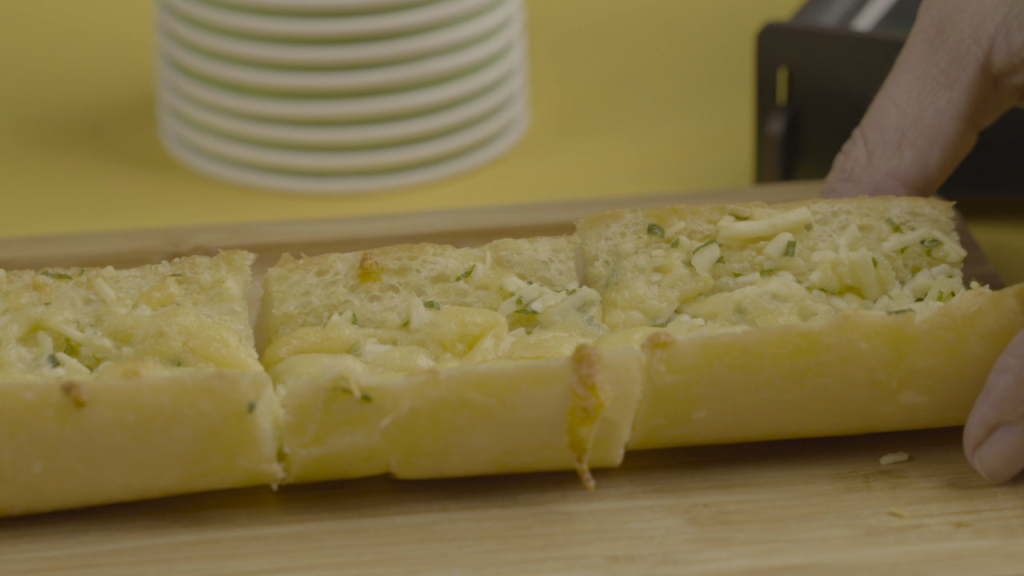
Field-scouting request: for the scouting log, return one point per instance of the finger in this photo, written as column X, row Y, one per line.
column 994, row 434
column 944, row 89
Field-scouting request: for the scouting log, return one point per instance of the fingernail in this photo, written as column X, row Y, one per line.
column 1001, row 457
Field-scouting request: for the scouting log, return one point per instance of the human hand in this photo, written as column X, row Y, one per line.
column 960, row 70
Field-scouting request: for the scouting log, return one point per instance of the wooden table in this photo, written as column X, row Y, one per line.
column 797, row 507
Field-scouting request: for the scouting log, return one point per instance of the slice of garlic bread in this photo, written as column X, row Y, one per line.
column 400, row 341
column 119, row 385
column 814, row 318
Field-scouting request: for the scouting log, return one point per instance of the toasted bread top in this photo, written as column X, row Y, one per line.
column 416, row 306
column 189, row 313
column 755, row 264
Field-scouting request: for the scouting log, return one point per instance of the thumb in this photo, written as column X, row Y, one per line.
column 948, row 84
column 994, row 434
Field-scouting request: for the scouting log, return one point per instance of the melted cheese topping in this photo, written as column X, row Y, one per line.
column 763, row 268
column 532, row 322
column 64, row 324
column 768, row 225
column 757, row 271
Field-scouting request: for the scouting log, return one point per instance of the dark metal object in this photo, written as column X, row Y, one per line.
column 816, row 78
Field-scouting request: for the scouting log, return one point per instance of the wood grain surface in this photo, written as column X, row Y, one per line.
column 820, row 506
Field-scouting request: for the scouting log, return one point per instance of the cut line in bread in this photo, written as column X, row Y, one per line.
column 429, row 360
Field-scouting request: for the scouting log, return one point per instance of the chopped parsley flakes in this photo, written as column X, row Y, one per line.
column 466, row 274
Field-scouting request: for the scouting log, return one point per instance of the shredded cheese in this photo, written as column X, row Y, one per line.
column 104, row 290
column 705, row 257
column 747, row 230
column 893, row 458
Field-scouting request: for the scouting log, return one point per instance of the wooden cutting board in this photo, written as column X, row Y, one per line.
column 797, row 507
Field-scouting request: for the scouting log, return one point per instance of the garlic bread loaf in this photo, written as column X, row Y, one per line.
column 428, row 360
column 126, row 384
column 647, row 328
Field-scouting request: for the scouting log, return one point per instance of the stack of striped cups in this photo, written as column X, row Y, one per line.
column 338, row 96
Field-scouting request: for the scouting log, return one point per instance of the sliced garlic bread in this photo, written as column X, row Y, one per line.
column 806, row 319
column 119, row 385
column 685, row 325
column 428, row 360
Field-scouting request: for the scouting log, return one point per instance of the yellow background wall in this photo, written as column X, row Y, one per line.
column 629, row 97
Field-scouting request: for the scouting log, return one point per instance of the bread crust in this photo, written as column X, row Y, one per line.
column 852, row 373
column 493, row 418
column 69, row 444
